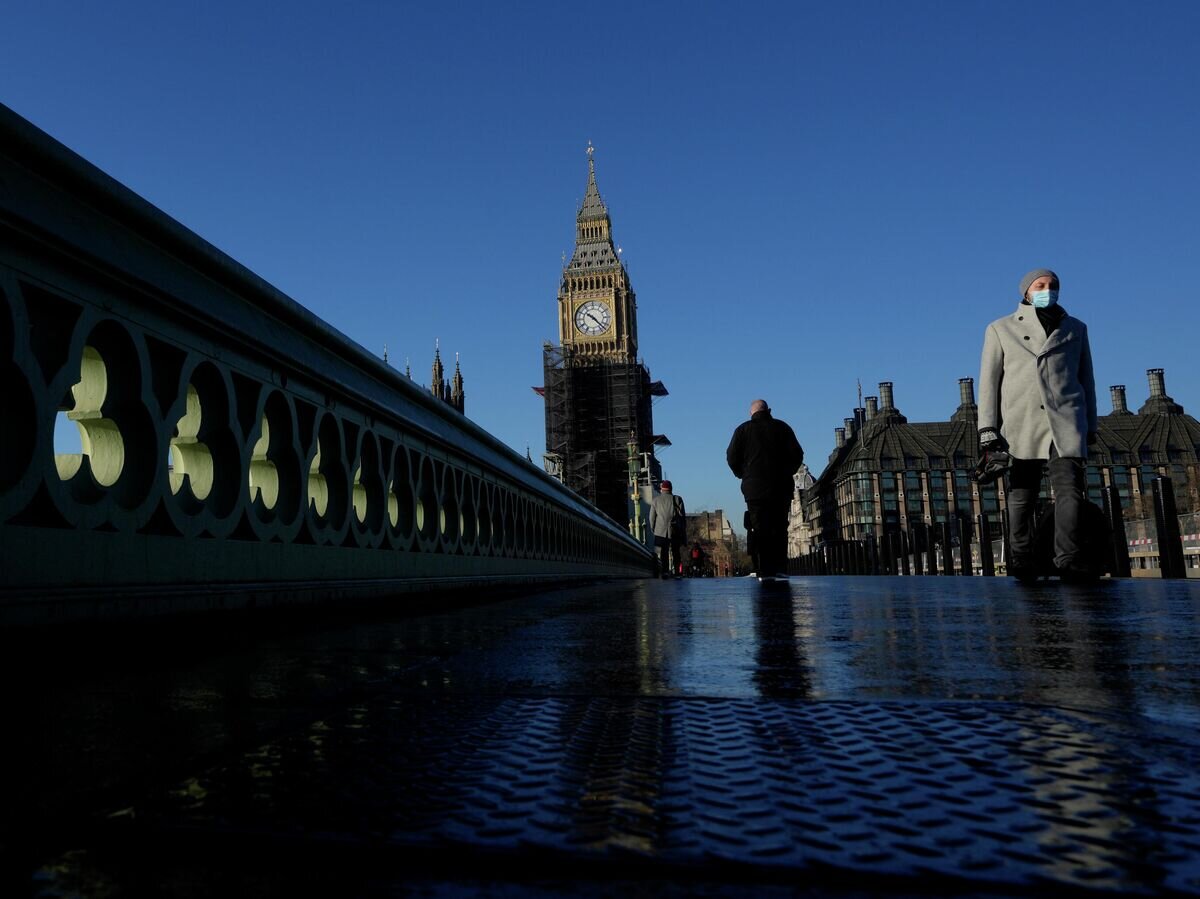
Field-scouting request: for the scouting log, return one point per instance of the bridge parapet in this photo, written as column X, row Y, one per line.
column 234, row 447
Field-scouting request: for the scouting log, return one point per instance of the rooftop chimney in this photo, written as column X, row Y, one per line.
column 1159, row 403
column 1158, row 384
column 1118, row 399
column 966, row 391
column 872, row 407
column 860, row 418
column 849, row 427
column 885, row 396
column 967, row 410
column 839, row 437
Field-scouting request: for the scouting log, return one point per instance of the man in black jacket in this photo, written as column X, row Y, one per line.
column 765, row 454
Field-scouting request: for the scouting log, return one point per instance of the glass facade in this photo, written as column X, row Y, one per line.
column 937, row 495
column 914, row 503
column 856, row 506
column 1095, row 481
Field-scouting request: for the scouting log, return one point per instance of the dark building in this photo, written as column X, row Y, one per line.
column 887, row 474
column 598, row 393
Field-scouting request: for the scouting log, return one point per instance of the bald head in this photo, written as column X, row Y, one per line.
column 758, row 406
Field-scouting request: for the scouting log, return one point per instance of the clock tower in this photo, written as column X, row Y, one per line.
column 597, row 308
column 600, row 437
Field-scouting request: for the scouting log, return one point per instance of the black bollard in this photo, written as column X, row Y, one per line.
column 964, row 547
column 987, row 560
column 933, row 535
column 1170, row 546
column 872, row 555
column 916, row 543
column 1116, row 521
column 1005, row 546
column 947, row 549
column 904, row 554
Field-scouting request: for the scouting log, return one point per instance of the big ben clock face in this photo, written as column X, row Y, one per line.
column 593, row 318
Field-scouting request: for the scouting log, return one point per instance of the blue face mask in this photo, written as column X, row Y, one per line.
column 1043, row 298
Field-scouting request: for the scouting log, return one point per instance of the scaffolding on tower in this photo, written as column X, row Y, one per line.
column 595, row 408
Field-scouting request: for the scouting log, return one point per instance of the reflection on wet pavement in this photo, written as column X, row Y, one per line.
column 98, row 726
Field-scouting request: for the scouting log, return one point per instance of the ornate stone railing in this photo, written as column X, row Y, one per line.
column 235, row 448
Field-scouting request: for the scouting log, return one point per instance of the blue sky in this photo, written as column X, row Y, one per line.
column 806, row 194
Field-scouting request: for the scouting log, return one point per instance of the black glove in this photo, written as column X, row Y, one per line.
column 994, row 459
column 991, row 441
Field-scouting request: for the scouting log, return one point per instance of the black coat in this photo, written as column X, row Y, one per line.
column 764, row 453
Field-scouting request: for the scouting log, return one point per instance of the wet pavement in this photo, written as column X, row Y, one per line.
column 834, row 736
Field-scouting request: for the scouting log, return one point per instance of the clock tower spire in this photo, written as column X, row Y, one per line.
column 600, row 438
column 597, row 307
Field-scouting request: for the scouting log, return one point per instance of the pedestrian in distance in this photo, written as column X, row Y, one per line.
column 765, row 454
column 668, row 522
column 1037, row 401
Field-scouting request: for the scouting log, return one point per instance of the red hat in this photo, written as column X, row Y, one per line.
column 665, row 485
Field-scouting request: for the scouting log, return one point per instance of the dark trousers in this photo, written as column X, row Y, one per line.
column 1068, row 479
column 769, row 518
column 668, row 550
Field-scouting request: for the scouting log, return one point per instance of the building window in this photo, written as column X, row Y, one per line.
column 1095, row 482
column 1183, row 496
column 962, row 492
column 912, row 495
column 1120, row 480
column 937, row 495
column 888, row 493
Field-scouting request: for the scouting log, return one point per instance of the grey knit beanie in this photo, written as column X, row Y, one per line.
column 1032, row 276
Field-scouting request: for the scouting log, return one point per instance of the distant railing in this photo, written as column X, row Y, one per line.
column 958, row 548
column 234, row 449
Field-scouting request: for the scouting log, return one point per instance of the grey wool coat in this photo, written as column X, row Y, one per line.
column 664, row 509
column 1037, row 390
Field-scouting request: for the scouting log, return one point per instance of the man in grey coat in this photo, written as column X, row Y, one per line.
column 1037, row 398
column 668, row 522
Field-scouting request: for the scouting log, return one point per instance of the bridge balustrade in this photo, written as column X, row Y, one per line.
column 233, row 448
